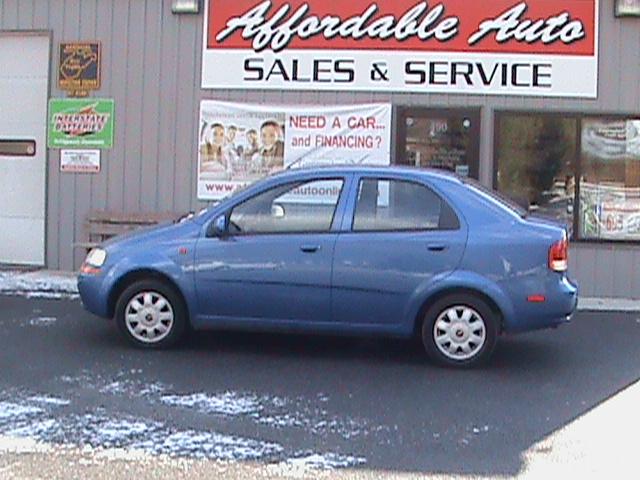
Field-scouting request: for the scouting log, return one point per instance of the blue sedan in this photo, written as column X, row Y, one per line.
column 352, row 250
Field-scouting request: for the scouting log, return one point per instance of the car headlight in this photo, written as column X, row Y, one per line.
column 96, row 257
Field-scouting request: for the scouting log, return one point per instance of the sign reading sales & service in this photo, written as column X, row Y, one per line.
column 501, row 47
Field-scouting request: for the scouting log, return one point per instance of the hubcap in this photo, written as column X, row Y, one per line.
column 460, row 333
column 149, row 317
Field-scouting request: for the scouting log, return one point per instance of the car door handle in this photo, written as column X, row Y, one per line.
column 310, row 248
column 436, row 247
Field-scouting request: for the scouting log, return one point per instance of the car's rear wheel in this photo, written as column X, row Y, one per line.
column 460, row 330
column 151, row 314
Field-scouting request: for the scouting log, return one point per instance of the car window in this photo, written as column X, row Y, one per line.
column 395, row 205
column 301, row 207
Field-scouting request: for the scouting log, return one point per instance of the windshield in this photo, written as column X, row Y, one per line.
column 497, row 197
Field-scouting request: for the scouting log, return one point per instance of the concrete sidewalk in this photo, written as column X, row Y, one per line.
column 58, row 284
column 600, row 444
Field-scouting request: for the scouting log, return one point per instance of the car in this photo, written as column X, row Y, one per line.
column 386, row 251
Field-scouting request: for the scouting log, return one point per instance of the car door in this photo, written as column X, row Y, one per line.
column 274, row 263
column 399, row 238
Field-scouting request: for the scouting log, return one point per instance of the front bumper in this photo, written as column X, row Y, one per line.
column 94, row 294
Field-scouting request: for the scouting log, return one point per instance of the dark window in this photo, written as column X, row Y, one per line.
column 443, row 139
column 394, row 205
column 536, row 163
column 292, row 208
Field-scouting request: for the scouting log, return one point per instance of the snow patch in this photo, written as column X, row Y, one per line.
column 40, row 284
column 326, row 461
column 22, row 445
column 227, row 403
column 199, row 444
column 42, row 321
column 9, row 410
column 113, row 431
column 121, row 454
column 275, row 412
column 312, row 464
column 38, row 429
column 43, row 399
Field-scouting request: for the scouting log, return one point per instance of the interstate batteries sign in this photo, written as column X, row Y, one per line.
column 501, row 47
column 81, row 123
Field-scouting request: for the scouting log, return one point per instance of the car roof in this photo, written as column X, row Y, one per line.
column 371, row 170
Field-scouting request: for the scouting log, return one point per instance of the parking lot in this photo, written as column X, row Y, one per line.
column 281, row 403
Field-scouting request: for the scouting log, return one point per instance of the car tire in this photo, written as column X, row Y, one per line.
column 460, row 331
column 151, row 314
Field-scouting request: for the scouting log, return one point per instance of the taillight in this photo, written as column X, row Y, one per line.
column 559, row 255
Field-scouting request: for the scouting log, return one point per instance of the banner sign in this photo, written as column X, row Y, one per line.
column 86, row 123
column 611, row 140
column 239, row 144
column 610, row 213
column 502, row 47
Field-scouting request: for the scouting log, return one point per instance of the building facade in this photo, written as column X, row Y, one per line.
column 538, row 99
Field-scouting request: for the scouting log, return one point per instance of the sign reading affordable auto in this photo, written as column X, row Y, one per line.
column 86, row 123
column 501, row 47
column 240, row 143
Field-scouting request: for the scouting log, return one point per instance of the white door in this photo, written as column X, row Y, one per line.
column 24, row 78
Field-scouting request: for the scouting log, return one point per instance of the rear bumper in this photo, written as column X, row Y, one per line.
column 558, row 308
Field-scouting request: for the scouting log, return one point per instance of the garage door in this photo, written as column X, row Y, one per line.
column 24, row 78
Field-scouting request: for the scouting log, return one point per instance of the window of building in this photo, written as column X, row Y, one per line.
column 540, row 158
column 610, row 179
column 536, row 163
column 394, row 205
column 292, row 208
column 443, row 139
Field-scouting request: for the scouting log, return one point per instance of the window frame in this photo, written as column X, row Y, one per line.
column 334, row 219
column 354, row 206
column 579, row 116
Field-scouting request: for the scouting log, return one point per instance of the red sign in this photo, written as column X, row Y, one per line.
column 497, row 27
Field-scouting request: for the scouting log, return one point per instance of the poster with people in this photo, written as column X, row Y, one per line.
column 240, row 144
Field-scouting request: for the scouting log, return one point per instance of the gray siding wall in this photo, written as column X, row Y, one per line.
column 151, row 67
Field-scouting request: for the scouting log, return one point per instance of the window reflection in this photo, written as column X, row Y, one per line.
column 610, row 181
column 536, row 163
column 447, row 142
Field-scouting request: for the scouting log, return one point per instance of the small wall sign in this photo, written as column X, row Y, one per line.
column 81, row 123
column 80, row 161
column 80, row 68
column 627, row 8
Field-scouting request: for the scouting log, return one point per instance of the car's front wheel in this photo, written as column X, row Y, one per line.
column 460, row 331
column 150, row 314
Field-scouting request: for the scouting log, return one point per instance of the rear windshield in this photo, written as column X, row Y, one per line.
column 497, row 197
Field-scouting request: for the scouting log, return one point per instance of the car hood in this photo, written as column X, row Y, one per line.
column 162, row 232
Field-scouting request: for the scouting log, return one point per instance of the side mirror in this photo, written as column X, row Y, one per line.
column 277, row 211
column 218, row 227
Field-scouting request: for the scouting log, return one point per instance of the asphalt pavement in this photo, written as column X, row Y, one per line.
column 299, row 405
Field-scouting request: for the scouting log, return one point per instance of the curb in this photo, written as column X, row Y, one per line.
column 620, row 305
